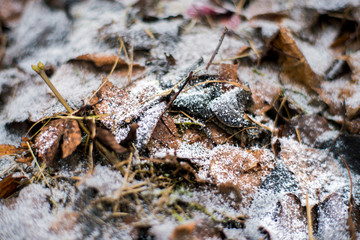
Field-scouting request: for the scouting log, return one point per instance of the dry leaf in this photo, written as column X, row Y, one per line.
column 106, row 62
column 10, row 11
column 47, row 142
column 196, row 231
column 71, row 138
column 243, row 168
column 218, row 135
column 295, row 67
column 193, row 135
column 9, row 185
column 108, row 139
column 291, row 213
column 165, row 134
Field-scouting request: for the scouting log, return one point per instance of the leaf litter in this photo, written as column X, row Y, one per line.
column 189, row 136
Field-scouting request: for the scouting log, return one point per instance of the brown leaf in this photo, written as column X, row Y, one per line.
column 9, row 185
column 196, row 231
column 310, row 127
column 131, row 135
column 290, row 213
column 108, row 139
column 47, row 142
column 71, row 138
column 65, row 222
column 193, row 135
column 295, row 67
column 6, row 149
column 165, row 134
column 106, row 62
column 218, row 135
column 10, row 11
column 243, row 168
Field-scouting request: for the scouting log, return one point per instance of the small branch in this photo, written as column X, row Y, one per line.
column 217, row 48
column 177, row 94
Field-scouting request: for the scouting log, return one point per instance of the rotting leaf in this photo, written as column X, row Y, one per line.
column 60, row 131
column 9, row 185
column 295, row 67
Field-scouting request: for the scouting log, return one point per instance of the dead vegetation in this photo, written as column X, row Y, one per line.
column 246, row 145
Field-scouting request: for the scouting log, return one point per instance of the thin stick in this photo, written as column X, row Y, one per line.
column 177, row 94
column 2, row 48
column 308, row 214
column 131, row 63
column 349, row 222
column 217, row 48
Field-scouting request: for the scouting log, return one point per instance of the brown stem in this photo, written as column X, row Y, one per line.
column 217, row 48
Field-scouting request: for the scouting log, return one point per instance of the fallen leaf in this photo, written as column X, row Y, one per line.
column 9, row 185
column 58, row 139
column 10, row 11
column 295, row 67
column 71, row 138
column 193, row 135
column 309, row 128
column 108, row 139
column 7, row 149
column 291, row 213
column 106, row 62
column 218, row 135
column 243, row 168
column 165, row 135
column 197, row 231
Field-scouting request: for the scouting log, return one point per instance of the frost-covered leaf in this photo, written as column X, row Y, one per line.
column 165, row 135
column 58, row 139
column 229, row 108
column 243, row 168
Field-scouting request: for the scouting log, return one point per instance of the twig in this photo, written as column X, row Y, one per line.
column 2, row 48
column 189, row 77
column 350, row 222
column 217, row 48
column 131, row 63
column 309, row 222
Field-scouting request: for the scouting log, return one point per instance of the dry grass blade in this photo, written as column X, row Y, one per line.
column 41, row 171
column 112, row 70
column 308, row 215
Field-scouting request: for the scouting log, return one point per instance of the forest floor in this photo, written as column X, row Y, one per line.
column 159, row 119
